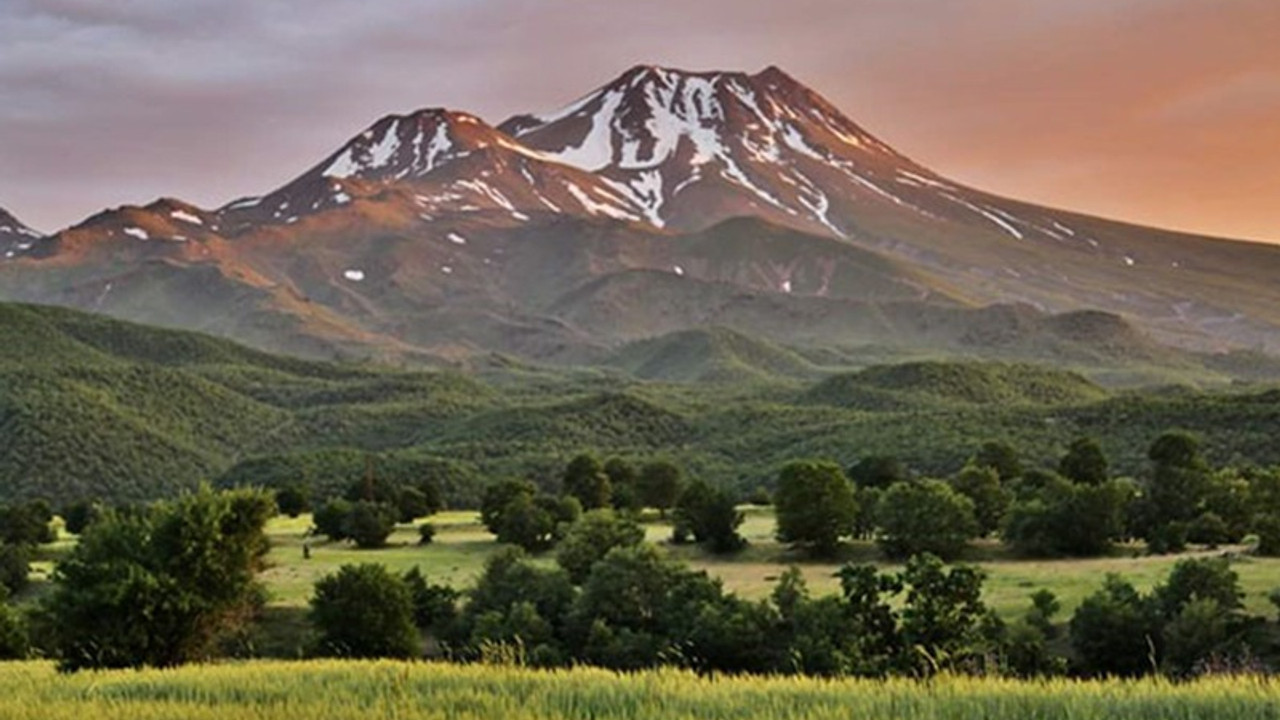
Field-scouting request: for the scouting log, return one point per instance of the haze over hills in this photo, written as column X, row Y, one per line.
column 663, row 202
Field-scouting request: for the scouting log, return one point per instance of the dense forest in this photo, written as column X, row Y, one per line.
column 96, row 408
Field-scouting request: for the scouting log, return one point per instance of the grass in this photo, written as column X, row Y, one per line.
column 342, row 690
column 461, row 546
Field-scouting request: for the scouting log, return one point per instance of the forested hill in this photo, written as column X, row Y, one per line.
column 97, row 408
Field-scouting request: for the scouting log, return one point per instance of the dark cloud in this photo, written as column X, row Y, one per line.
column 1122, row 107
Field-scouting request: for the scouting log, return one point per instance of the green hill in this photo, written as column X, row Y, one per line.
column 91, row 407
column 710, row 355
column 957, row 382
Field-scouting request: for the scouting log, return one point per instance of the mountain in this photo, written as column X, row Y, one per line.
column 15, row 238
column 663, row 202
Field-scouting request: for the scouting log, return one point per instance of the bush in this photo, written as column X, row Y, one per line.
column 592, row 537
column 426, row 533
column 364, row 611
column 160, row 586
column 815, row 506
column 434, row 606
column 924, row 516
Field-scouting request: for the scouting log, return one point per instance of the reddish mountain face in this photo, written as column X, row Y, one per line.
column 662, row 201
column 16, row 239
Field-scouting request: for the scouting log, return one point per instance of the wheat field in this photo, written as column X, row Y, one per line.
column 341, row 690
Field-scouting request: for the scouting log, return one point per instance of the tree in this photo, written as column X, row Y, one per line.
column 878, row 471
column 1199, row 579
column 942, row 613
column 369, row 524
column 498, row 496
column 1084, row 462
column 331, row 519
column 536, row 523
column 815, row 506
column 585, row 479
column 925, row 516
column 14, row 644
column 624, row 481
column 592, row 537
column 1116, row 630
column 26, row 523
column 364, row 611
column 981, row 484
column 15, row 567
column 291, row 501
column 160, row 586
column 1065, row 518
column 711, row 516
column 1001, row 457
column 434, row 606
column 1175, row 492
column 78, row 515
column 660, row 483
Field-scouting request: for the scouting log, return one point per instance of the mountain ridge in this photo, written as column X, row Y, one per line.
column 661, row 201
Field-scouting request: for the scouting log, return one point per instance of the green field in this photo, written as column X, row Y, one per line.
column 461, row 545
column 340, row 690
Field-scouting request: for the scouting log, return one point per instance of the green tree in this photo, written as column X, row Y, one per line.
column 78, row 515
column 364, row 611
column 435, row 607
column 369, row 524
column 711, row 516
column 585, row 479
column 981, row 484
column 925, row 516
column 942, row 615
column 331, row 519
column 660, row 483
column 592, row 537
column 815, row 506
column 291, row 501
column 1065, row 518
column 14, row 643
column 1173, row 497
column 160, row 586
column 498, row 496
column 1116, row 631
column 1084, row 463
column 878, row 471
column 1001, row 457
column 26, row 523
column 15, row 567
column 624, row 481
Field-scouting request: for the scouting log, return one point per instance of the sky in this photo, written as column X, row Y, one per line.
column 1161, row 112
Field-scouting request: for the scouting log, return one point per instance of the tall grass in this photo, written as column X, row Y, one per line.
column 341, row 690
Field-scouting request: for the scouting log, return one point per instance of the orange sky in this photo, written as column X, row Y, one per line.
column 1164, row 112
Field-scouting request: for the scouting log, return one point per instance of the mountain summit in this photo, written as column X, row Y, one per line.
column 661, row 202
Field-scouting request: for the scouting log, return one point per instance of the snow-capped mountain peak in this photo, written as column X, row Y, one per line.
column 16, row 239
column 657, row 132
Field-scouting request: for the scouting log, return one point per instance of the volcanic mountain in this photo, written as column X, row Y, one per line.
column 662, row 202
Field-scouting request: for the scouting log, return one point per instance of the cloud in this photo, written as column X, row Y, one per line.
column 1104, row 105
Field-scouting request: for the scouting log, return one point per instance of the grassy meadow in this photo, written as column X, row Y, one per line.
column 457, row 555
column 341, row 690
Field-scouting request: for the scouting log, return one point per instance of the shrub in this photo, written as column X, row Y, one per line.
column 364, row 611
column 426, row 533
